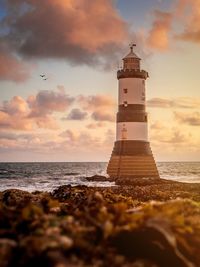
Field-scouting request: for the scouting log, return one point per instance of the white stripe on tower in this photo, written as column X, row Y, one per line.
column 132, row 131
column 132, row 91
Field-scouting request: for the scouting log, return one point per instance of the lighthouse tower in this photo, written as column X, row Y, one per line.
column 131, row 156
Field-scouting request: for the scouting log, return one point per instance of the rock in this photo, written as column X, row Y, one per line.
column 140, row 225
column 7, row 249
column 13, row 197
column 98, row 178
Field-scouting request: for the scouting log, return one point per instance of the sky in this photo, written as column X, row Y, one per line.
column 79, row 45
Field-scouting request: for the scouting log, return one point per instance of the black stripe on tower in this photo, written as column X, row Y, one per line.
column 131, row 148
column 129, row 116
column 132, row 113
column 136, row 107
column 132, row 74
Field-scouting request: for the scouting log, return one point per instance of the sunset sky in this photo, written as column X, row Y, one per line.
column 78, row 45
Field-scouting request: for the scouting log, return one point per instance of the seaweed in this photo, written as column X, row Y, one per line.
column 139, row 225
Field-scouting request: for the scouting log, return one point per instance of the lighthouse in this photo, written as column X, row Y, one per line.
column 131, row 156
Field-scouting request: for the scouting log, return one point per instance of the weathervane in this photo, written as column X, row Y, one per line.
column 131, row 45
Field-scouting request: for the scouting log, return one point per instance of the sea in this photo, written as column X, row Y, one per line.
column 46, row 176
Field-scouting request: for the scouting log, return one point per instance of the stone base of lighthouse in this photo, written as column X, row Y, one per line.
column 131, row 159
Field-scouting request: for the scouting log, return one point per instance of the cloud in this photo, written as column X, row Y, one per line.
column 101, row 115
column 192, row 119
column 158, row 37
column 179, row 102
column 109, row 138
column 70, row 135
column 46, row 102
column 80, row 139
column 50, row 146
column 12, row 68
column 36, row 111
column 157, row 125
column 81, row 32
column 40, row 110
column 160, row 103
column 17, row 105
column 76, row 114
column 190, row 12
column 13, row 114
column 177, row 137
column 162, row 134
column 96, row 125
column 96, row 102
column 185, row 14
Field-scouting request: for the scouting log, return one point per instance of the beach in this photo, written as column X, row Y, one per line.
column 146, row 223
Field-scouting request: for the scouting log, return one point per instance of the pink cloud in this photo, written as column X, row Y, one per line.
column 95, row 102
column 102, row 115
column 13, row 114
column 82, row 32
column 36, row 111
column 158, row 37
column 96, row 125
column 192, row 119
column 81, row 139
column 102, row 107
column 15, row 122
column 76, row 114
column 46, row 102
column 189, row 10
column 179, row 102
column 185, row 13
column 17, row 105
column 12, row 68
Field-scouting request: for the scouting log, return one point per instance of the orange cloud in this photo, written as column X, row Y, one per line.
column 187, row 14
column 96, row 125
column 12, row 68
column 192, row 119
column 101, row 106
column 161, row 134
column 13, row 114
column 96, row 102
column 158, row 37
column 190, row 12
column 80, row 139
column 102, row 115
column 179, row 102
column 17, row 105
column 36, row 111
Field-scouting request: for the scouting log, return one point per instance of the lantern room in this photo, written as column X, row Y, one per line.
column 131, row 61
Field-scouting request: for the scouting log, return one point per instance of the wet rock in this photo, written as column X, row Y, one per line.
column 145, row 225
column 14, row 197
column 7, row 250
column 98, row 178
column 140, row 181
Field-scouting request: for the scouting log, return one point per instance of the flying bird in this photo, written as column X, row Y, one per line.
column 43, row 75
column 45, row 79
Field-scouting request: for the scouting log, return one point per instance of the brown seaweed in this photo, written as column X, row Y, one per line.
column 138, row 225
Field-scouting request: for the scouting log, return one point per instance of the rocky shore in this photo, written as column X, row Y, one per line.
column 150, row 223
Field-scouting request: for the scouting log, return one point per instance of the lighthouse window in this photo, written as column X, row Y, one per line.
column 125, row 104
column 125, row 90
